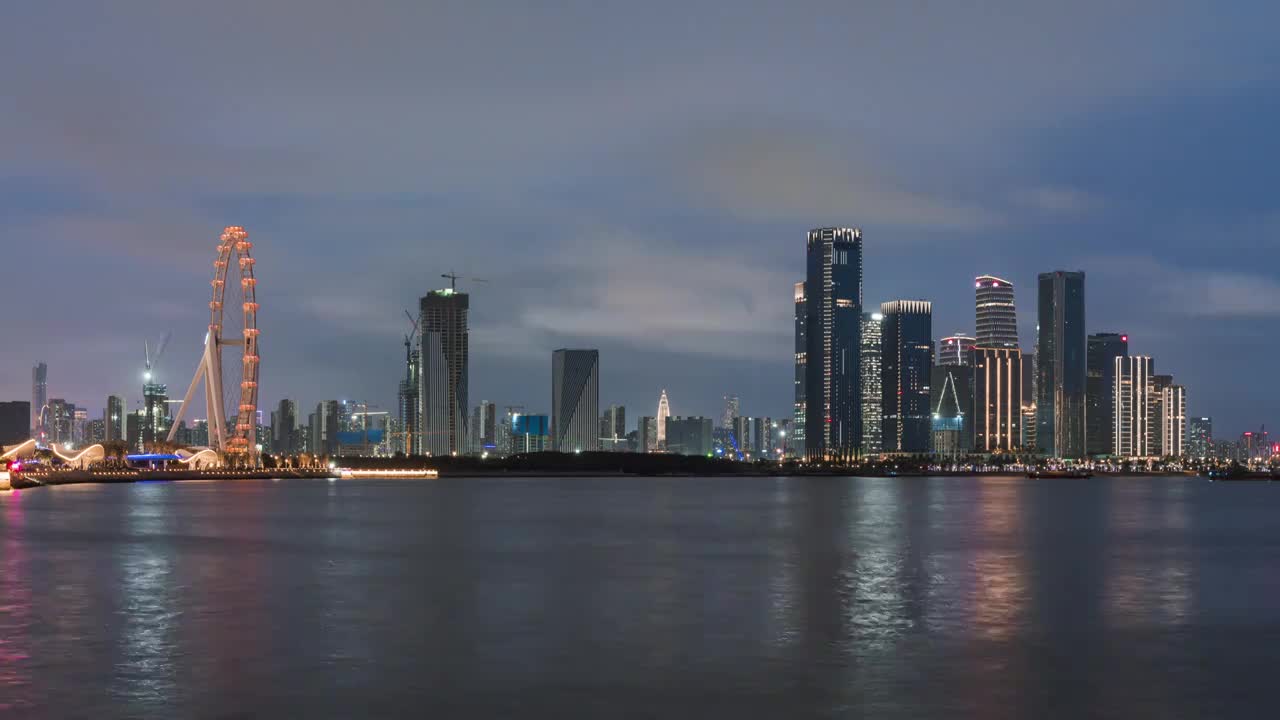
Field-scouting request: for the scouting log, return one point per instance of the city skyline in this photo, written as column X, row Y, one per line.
column 681, row 248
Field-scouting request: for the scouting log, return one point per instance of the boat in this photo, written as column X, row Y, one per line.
column 1241, row 474
column 1063, row 473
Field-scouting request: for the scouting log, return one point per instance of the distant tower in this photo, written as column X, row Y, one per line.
column 798, row 409
column 997, row 319
column 115, row 418
column 1061, row 360
column 1102, row 351
column 664, row 412
column 39, row 398
column 444, row 357
column 575, row 400
column 956, row 350
column 906, row 365
column 871, row 382
column 1173, row 421
column 1132, row 434
column 833, row 343
column 731, row 411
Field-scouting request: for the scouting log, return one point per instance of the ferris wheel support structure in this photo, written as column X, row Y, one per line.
column 237, row 440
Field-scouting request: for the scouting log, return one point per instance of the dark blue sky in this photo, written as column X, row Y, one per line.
column 636, row 177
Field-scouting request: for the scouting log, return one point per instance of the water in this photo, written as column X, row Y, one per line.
column 735, row 597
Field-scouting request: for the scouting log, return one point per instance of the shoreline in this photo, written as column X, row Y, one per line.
column 82, row 477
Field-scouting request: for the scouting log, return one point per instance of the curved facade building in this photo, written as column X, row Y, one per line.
column 997, row 318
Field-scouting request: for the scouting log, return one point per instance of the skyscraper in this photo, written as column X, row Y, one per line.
column 1156, row 413
column 613, row 428
column 1061, row 365
column 1173, row 421
column 798, row 411
column 956, row 350
column 14, row 419
column 408, row 439
column 872, row 384
column 689, row 435
column 998, row 400
column 833, row 339
column 39, row 398
column 906, row 362
column 323, row 426
column 731, row 411
column 997, row 319
column 951, row 410
column 115, row 418
column 647, row 434
column 444, row 358
column 575, row 404
column 484, row 428
column 1200, row 437
column 664, row 412
column 1103, row 349
column 284, row 428
column 1133, row 384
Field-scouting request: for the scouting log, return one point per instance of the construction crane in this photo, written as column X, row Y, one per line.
column 154, row 360
column 408, row 339
column 454, row 277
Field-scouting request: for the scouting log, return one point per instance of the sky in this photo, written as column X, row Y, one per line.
column 634, row 177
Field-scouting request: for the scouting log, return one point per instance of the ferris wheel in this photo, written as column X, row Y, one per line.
column 230, row 345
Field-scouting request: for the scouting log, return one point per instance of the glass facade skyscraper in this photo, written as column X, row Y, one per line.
column 872, row 413
column 956, row 350
column 798, row 410
column 1200, row 437
column 833, row 330
column 1100, row 413
column 1061, row 362
column 951, row 410
column 997, row 319
column 906, row 362
column 442, row 384
column 575, row 400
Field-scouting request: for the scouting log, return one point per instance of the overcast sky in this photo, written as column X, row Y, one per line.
column 632, row 176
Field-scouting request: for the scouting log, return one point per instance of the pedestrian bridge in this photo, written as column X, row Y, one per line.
column 200, row 458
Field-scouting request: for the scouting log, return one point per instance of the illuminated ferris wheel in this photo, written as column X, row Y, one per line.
column 231, row 343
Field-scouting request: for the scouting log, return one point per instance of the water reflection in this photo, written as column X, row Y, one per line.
column 15, row 604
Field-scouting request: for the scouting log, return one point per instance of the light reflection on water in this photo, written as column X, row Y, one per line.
column 911, row 597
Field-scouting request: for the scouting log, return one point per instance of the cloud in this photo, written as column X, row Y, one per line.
column 660, row 295
column 1205, row 293
column 805, row 177
column 1057, row 200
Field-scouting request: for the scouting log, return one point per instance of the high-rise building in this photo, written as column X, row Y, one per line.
column 1155, row 413
column 1173, row 421
column 114, row 417
column 872, row 384
column 484, row 428
column 833, row 344
column 951, row 406
column 284, row 428
column 408, row 437
column 1029, row 416
column 15, row 422
column 956, row 350
column 1061, row 364
column 95, row 431
column 802, row 348
column 1133, row 386
column 155, row 412
column 1200, row 437
column 732, row 409
column 647, row 434
column 998, row 400
column 997, row 319
column 39, row 398
column 689, row 435
column 58, row 421
column 443, row 380
column 1103, row 349
column 79, row 425
column 324, row 425
column 906, row 362
column 529, row 434
column 575, row 403
column 664, row 412
column 613, row 429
